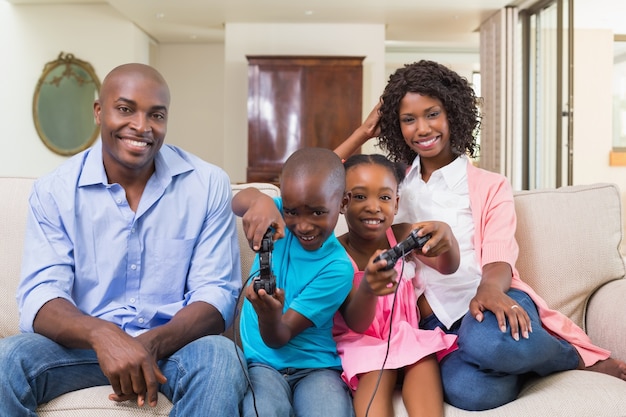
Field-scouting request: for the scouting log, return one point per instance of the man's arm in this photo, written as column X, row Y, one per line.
column 192, row 322
column 128, row 364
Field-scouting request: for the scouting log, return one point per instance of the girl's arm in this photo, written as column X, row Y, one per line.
column 359, row 309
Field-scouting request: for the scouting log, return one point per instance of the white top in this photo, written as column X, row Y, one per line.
column 445, row 197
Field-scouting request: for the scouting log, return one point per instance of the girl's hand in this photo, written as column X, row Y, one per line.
column 441, row 251
column 441, row 237
column 376, row 280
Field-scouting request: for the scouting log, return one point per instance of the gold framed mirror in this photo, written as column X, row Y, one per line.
column 63, row 105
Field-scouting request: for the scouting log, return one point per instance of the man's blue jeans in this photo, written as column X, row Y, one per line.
column 204, row 378
column 296, row 392
column 490, row 367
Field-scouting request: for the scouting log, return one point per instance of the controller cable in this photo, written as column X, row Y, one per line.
column 244, row 367
column 393, row 308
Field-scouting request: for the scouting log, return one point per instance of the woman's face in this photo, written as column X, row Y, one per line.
column 424, row 125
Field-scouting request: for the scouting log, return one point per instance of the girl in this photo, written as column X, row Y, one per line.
column 381, row 308
column 427, row 117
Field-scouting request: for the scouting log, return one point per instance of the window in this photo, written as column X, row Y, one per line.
column 618, row 153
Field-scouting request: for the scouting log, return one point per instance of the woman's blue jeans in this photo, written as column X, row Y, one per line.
column 490, row 367
column 296, row 392
column 204, row 378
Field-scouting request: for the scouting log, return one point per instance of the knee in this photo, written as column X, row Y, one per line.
column 15, row 349
column 207, row 366
column 215, row 353
column 486, row 346
column 480, row 341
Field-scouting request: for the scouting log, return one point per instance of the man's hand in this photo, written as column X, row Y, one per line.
column 130, row 367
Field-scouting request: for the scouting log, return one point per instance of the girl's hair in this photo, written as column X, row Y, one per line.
column 397, row 169
column 434, row 80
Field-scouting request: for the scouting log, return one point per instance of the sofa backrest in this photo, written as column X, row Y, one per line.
column 13, row 209
column 247, row 254
column 569, row 240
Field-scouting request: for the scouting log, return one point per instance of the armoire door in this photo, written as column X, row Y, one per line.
column 296, row 102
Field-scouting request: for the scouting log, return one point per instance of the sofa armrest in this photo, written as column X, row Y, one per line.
column 605, row 318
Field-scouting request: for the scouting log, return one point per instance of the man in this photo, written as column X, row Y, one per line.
column 131, row 268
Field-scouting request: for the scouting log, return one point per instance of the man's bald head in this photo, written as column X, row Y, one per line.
column 131, row 73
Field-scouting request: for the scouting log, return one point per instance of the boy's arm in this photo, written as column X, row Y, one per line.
column 258, row 212
column 276, row 328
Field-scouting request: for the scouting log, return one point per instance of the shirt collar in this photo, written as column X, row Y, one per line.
column 452, row 173
column 168, row 164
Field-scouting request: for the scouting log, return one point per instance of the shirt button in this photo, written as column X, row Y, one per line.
column 140, row 320
column 132, row 230
column 118, row 201
column 132, row 300
column 133, row 267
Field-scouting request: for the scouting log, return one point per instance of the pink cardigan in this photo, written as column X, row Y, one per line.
column 493, row 209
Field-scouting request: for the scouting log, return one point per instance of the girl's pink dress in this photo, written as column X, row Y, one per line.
column 365, row 352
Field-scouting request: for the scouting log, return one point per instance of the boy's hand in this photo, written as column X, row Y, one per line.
column 266, row 306
column 376, row 280
column 261, row 215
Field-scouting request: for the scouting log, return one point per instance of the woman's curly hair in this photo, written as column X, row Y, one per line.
column 431, row 79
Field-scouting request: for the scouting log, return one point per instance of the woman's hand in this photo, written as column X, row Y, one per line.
column 491, row 296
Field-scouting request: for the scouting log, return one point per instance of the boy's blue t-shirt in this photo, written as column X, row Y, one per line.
column 315, row 283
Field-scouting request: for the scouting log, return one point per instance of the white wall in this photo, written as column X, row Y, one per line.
column 464, row 61
column 592, row 108
column 31, row 36
column 195, row 75
column 290, row 39
column 593, row 65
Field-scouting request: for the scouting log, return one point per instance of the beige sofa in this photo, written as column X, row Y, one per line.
column 569, row 252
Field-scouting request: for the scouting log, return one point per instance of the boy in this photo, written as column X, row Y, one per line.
column 287, row 336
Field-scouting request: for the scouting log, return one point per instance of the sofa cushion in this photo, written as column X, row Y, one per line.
column 14, row 207
column 558, row 242
column 95, row 402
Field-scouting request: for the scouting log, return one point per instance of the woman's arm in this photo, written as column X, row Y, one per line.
column 362, row 134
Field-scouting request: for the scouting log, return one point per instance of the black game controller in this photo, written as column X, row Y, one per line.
column 413, row 241
column 266, row 279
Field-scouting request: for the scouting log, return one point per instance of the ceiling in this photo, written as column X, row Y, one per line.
column 452, row 23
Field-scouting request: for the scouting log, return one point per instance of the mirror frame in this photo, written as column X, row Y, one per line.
column 70, row 64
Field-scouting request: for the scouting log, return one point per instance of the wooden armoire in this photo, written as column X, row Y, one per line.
column 296, row 102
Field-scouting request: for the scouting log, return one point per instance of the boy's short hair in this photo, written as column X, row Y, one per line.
column 315, row 162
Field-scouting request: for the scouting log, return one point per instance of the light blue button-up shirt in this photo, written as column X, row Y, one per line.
column 137, row 269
